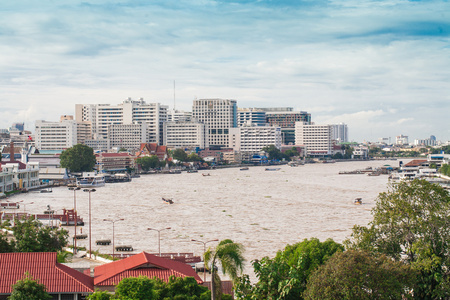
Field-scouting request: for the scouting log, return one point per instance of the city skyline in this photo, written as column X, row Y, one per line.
column 382, row 67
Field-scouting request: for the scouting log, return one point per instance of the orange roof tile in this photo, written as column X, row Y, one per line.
column 42, row 266
column 141, row 264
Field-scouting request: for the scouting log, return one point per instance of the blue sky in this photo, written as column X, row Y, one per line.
column 382, row 67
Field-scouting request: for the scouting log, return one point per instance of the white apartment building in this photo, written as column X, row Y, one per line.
column 185, row 134
column 339, row 132
column 317, row 139
column 251, row 139
column 24, row 176
column 55, row 135
column 401, row 140
column 220, row 115
column 6, row 181
column 128, row 136
column 128, row 112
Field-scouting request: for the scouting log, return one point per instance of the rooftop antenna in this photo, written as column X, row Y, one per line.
column 174, row 95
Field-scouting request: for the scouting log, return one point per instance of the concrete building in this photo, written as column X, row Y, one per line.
column 286, row 117
column 316, row 138
column 251, row 117
column 55, row 136
column 340, row 133
column 128, row 136
column 251, row 139
column 401, row 140
column 128, row 112
column 219, row 115
column 174, row 115
column 186, row 134
column 426, row 142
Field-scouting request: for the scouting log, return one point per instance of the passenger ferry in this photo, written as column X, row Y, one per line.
column 90, row 180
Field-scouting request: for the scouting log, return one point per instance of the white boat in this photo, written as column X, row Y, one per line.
column 272, row 169
column 90, row 180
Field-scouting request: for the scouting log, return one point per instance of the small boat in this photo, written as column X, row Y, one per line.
column 244, row 169
column 207, row 174
column 46, row 190
column 358, row 201
column 192, row 171
column 169, row 201
column 124, row 248
column 103, row 242
column 273, row 169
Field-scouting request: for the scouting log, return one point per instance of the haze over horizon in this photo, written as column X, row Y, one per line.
column 382, row 67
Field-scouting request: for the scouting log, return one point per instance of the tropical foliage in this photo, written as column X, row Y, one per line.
column 445, row 169
column 150, row 162
column 360, row 275
column 229, row 255
column 79, row 158
column 412, row 224
column 286, row 275
column 29, row 289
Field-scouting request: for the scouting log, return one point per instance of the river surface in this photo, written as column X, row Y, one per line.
column 263, row 210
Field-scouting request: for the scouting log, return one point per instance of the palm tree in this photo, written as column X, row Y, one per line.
column 229, row 255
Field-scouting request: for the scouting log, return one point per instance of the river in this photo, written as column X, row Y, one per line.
column 263, row 210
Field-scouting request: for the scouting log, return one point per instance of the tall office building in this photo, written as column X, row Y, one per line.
column 340, row 133
column 55, row 136
column 186, row 134
column 251, row 117
column 128, row 112
column 219, row 115
column 316, row 138
column 286, row 117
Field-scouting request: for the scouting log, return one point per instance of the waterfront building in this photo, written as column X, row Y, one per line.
column 251, row 117
column 115, row 162
column 150, row 149
column 215, row 153
column 340, row 133
column 186, row 134
column 55, row 136
column 6, row 181
column 251, row 139
column 285, row 118
column 219, row 115
column 128, row 112
column 316, row 138
column 128, row 136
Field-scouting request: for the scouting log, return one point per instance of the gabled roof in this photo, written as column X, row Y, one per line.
column 42, row 266
column 416, row 163
column 142, row 264
column 152, row 149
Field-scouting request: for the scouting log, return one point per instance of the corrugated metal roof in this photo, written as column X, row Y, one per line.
column 42, row 266
column 143, row 262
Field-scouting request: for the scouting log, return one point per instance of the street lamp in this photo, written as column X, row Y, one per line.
column 159, row 237
column 25, row 204
column 90, row 236
column 74, row 189
column 113, row 221
column 204, row 250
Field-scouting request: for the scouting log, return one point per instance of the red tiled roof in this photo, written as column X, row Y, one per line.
column 152, row 149
column 112, row 154
column 42, row 266
column 416, row 163
column 141, row 264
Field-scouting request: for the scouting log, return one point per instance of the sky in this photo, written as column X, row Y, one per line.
column 381, row 67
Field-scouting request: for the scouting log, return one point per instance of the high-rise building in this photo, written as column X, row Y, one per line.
column 186, row 134
column 251, row 139
column 316, row 138
column 55, row 136
column 219, row 115
column 251, row 117
column 128, row 136
column 339, row 133
column 286, row 117
column 128, row 112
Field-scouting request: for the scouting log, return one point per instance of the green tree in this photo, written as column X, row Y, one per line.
column 99, row 295
column 181, row 288
column 31, row 236
column 5, row 245
column 28, row 289
column 411, row 223
column 180, row 155
column 230, row 256
column 285, row 276
column 79, row 158
column 273, row 153
column 360, row 275
column 136, row 288
column 194, row 157
column 445, row 169
column 148, row 162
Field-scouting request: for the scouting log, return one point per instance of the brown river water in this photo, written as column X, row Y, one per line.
column 263, row 210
